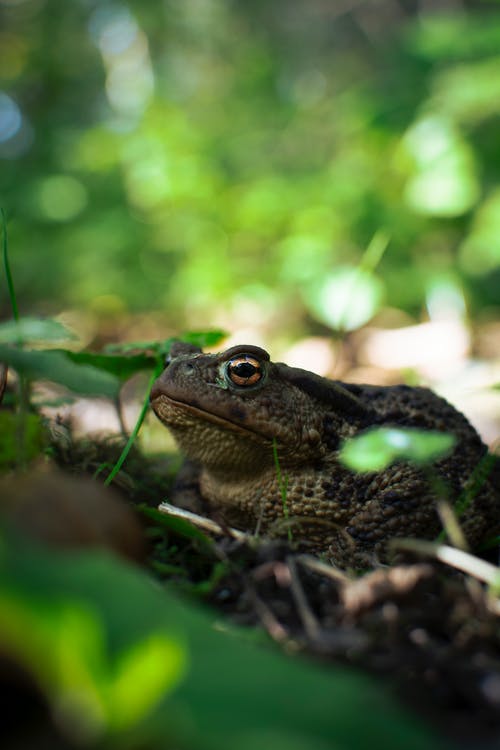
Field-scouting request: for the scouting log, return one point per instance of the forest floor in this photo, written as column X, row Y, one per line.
column 428, row 630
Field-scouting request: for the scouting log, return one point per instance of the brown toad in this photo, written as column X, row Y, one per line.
column 227, row 410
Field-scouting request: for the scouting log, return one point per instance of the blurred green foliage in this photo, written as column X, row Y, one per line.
column 123, row 664
column 195, row 156
column 377, row 448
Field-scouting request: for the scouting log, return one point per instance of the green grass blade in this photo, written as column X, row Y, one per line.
column 8, row 273
column 135, row 431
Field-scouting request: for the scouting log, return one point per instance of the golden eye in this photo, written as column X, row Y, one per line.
column 244, row 370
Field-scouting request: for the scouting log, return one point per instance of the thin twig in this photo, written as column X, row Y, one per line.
column 311, row 625
column 206, row 524
column 3, row 380
column 317, row 566
column 118, row 405
column 454, row 557
column 451, row 525
column 268, row 618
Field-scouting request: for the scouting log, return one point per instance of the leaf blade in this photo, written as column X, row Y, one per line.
column 376, row 449
column 58, row 366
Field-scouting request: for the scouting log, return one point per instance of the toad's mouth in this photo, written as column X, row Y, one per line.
column 170, row 411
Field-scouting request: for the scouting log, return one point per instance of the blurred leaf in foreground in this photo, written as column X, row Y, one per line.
column 86, row 373
column 63, row 641
column 58, row 366
column 375, row 449
column 203, row 338
column 162, row 348
column 33, row 329
column 14, row 441
column 118, row 656
column 120, row 366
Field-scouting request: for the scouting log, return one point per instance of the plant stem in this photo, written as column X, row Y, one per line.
column 24, row 389
column 123, row 455
column 8, row 274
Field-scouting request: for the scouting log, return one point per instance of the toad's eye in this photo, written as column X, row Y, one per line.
column 244, row 370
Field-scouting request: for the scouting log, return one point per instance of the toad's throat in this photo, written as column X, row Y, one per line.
column 164, row 405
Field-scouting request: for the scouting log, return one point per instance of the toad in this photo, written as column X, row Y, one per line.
column 265, row 437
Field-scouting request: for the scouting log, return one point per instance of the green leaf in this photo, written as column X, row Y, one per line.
column 138, row 346
column 60, row 367
column 121, row 366
column 376, row 449
column 117, row 656
column 33, row 329
column 203, row 338
column 63, row 642
column 162, row 348
column 21, row 438
column 143, row 674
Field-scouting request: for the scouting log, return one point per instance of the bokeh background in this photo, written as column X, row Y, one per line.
column 319, row 177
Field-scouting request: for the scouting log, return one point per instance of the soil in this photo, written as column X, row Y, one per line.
column 431, row 632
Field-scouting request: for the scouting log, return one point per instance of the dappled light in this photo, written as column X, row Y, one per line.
column 445, row 182
column 124, row 49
